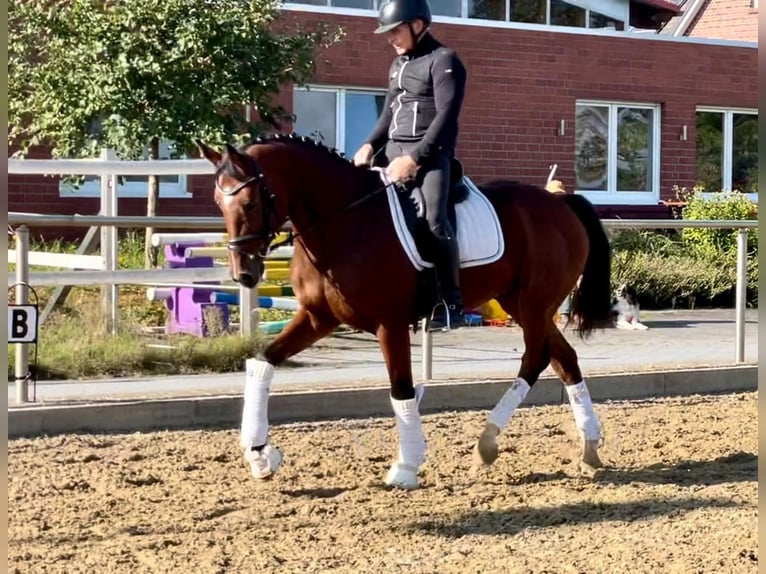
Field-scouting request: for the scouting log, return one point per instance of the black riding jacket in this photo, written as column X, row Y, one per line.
column 425, row 94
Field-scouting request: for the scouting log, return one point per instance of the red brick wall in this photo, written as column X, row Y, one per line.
column 727, row 20
column 521, row 84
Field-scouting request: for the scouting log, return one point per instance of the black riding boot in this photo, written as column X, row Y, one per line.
column 448, row 274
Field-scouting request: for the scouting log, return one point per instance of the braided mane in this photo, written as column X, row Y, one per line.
column 298, row 139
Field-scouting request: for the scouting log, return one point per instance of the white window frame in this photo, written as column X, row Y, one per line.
column 340, row 106
column 131, row 189
column 611, row 196
column 728, row 144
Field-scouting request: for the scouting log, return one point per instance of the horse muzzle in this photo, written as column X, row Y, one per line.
column 247, row 280
column 250, row 274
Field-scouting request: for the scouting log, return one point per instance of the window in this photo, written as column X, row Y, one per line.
column 545, row 12
column 132, row 185
column 529, row 11
column 446, row 7
column 338, row 117
column 727, row 150
column 553, row 12
column 487, row 9
column 358, row 4
column 566, row 14
column 617, row 152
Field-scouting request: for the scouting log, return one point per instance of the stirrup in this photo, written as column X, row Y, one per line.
column 446, row 324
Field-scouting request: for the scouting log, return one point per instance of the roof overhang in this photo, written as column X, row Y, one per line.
column 664, row 5
column 642, row 13
column 615, row 9
column 652, row 14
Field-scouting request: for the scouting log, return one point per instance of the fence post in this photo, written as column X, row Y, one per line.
column 741, row 296
column 21, row 364
column 248, row 306
column 109, row 293
column 426, row 353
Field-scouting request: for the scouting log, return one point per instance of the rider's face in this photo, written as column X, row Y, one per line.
column 402, row 39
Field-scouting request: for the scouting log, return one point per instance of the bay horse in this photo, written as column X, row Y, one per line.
column 349, row 267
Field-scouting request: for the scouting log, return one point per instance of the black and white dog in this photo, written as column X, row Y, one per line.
column 625, row 309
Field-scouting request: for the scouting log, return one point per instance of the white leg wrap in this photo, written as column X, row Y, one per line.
column 255, row 421
column 507, row 405
column 584, row 415
column 412, row 443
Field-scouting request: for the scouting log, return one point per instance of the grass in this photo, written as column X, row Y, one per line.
column 69, row 350
column 73, row 343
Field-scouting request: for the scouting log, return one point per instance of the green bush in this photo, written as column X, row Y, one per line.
column 719, row 206
column 657, row 243
column 693, row 267
column 672, row 281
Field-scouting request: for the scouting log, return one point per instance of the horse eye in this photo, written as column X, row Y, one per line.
column 250, row 206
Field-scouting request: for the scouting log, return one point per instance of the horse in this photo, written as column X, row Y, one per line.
column 350, row 267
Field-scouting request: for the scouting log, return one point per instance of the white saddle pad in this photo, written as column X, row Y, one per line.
column 479, row 235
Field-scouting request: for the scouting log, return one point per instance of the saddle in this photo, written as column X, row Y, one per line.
column 413, row 202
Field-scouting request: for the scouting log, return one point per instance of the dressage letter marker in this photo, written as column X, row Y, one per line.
column 22, row 323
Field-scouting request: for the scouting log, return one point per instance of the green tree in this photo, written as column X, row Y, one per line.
column 126, row 74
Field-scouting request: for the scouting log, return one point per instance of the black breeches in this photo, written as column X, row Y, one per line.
column 433, row 179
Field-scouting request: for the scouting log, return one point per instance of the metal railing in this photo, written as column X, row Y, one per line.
column 144, row 276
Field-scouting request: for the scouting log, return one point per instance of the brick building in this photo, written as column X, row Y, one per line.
column 618, row 107
column 721, row 19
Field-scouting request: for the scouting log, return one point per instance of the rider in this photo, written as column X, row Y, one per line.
column 419, row 127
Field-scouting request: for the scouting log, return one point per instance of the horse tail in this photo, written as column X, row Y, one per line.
column 592, row 299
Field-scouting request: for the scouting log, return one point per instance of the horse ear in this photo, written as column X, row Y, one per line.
column 237, row 158
column 210, row 154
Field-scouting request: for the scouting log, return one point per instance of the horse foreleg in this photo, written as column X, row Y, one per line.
column 305, row 329
column 405, row 400
column 565, row 365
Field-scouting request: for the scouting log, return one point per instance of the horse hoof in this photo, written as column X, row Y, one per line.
column 590, row 456
column 402, row 475
column 264, row 463
column 486, row 450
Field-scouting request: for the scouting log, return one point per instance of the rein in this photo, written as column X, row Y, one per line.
column 356, row 203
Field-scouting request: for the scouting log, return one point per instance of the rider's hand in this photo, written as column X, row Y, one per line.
column 364, row 155
column 401, row 168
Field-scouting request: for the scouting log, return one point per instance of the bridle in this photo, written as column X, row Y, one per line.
column 267, row 213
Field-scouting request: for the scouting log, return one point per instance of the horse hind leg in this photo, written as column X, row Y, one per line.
column 533, row 321
column 565, row 364
column 305, row 329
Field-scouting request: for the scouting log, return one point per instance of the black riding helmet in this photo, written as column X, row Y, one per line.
column 395, row 12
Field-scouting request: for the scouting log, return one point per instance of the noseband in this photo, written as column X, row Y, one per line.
column 267, row 212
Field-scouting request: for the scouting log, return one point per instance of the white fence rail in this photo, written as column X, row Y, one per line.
column 109, row 221
column 66, row 260
column 156, row 277
column 105, row 167
column 125, row 277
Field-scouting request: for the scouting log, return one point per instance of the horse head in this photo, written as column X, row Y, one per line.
column 250, row 209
